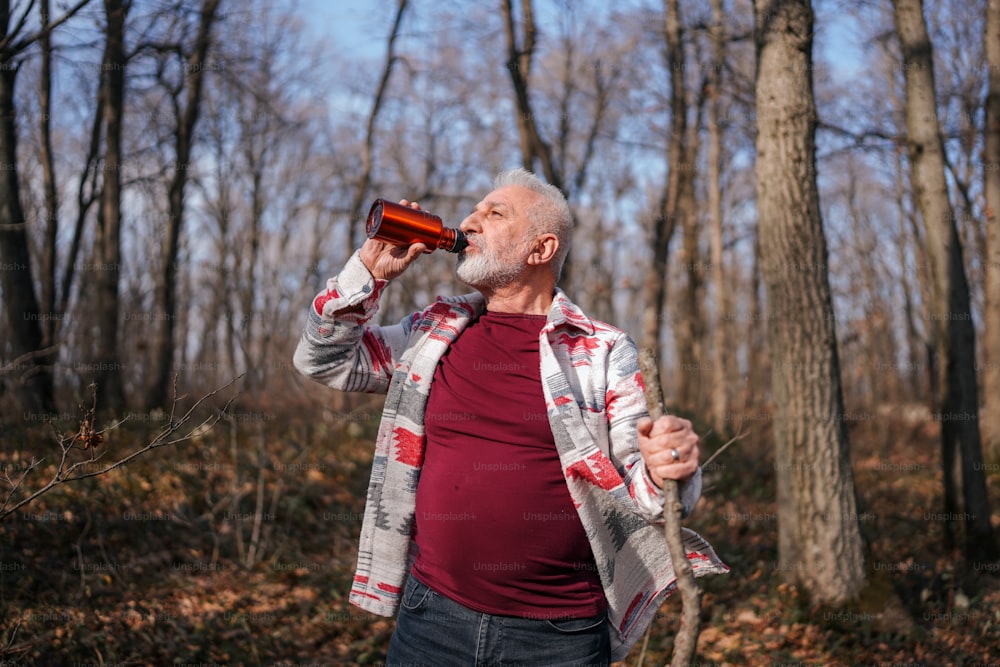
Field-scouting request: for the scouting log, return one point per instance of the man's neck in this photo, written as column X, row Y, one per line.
column 526, row 299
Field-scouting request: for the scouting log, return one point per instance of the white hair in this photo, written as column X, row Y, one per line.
column 551, row 215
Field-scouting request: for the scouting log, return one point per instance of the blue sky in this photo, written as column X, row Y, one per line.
column 358, row 27
column 352, row 26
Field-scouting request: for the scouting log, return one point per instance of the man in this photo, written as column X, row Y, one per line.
column 516, row 486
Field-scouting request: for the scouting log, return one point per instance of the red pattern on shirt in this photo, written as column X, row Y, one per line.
column 323, row 298
column 378, row 351
column 597, row 469
column 409, row 446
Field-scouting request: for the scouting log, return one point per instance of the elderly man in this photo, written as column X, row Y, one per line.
column 515, row 494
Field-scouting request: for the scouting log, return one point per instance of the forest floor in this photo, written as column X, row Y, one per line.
column 238, row 547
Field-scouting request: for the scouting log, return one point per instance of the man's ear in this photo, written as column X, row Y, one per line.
column 545, row 248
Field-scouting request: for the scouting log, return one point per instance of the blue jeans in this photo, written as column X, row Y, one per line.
column 435, row 631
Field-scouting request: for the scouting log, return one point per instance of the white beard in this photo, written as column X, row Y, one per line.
column 491, row 268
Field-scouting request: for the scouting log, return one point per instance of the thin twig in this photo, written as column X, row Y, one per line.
column 738, row 436
column 645, row 644
column 65, row 472
column 16, row 364
column 255, row 547
column 10, row 640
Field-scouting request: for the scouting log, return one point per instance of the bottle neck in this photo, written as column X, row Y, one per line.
column 452, row 240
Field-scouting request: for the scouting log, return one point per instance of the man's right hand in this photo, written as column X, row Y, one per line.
column 386, row 261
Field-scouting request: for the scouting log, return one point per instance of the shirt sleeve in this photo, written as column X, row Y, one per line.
column 626, row 404
column 338, row 347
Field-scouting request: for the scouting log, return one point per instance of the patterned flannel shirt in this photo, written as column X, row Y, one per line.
column 594, row 396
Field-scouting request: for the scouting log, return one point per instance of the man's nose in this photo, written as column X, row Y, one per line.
column 471, row 224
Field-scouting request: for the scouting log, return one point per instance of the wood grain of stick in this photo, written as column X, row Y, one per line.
column 686, row 641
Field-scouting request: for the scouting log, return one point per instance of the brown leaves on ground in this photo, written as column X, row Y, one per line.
column 149, row 565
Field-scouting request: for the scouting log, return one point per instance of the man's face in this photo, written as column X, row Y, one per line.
column 497, row 230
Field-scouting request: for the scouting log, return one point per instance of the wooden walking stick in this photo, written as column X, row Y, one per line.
column 686, row 640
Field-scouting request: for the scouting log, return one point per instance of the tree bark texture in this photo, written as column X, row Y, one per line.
column 990, row 421
column 950, row 309
column 689, row 326
column 924, row 347
column 107, row 268
column 819, row 540
column 50, row 194
column 719, row 392
column 30, row 372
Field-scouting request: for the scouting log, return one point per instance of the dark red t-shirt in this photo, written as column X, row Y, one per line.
column 496, row 529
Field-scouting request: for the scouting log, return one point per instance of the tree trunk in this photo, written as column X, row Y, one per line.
column 991, row 176
column 655, row 286
column 533, row 147
column 217, row 352
column 718, row 395
column 30, row 368
column 86, row 195
column 689, row 326
column 107, row 266
column 757, row 353
column 928, row 387
column 819, row 540
column 165, row 292
column 50, row 194
column 950, row 312
column 255, row 154
column 916, row 345
column 877, row 344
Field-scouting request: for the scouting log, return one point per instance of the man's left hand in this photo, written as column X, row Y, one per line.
column 669, row 447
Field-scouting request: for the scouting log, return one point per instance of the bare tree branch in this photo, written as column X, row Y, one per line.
column 366, row 156
column 88, row 438
column 739, row 436
column 12, row 48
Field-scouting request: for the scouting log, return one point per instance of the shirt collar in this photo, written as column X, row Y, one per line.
column 563, row 313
